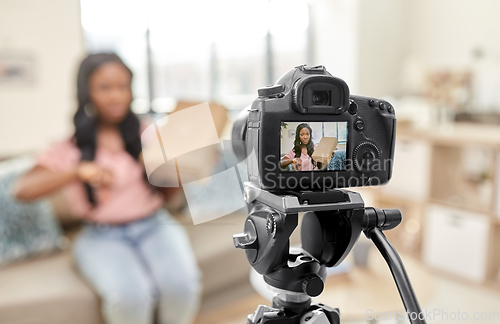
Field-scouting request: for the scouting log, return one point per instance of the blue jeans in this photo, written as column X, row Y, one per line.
column 138, row 266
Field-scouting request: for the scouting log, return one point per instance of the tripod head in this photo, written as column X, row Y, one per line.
column 330, row 228
column 332, row 223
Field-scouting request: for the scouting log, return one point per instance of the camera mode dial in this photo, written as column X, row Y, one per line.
column 364, row 156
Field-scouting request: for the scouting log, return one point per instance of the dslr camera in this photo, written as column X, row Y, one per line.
column 304, row 138
column 306, row 133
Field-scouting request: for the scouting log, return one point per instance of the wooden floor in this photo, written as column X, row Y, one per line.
column 232, row 309
column 235, row 306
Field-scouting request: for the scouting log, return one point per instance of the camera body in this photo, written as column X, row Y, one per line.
column 282, row 135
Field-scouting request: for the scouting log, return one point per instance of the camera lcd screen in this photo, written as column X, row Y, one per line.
column 313, row 146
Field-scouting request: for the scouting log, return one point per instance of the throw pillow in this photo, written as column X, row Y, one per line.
column 26, row 229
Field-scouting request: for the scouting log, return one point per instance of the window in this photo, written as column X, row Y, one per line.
column 198, row 50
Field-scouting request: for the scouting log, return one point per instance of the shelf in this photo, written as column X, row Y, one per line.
column 463, row 177
column 459, row 171
column 461, row 134
column 395, row 199
column 495, row 284
column 494, row 256
column 462, row 207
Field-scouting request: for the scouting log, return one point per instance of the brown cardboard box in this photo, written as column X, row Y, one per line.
column 194, row 165
column 324, row 150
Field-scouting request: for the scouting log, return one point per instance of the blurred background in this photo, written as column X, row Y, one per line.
column 436, row 61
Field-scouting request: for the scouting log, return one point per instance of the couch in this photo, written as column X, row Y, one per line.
column 49, row 289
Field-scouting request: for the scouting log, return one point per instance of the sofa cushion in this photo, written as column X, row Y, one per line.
column 223, row 266
column 46, row 290
column 26, row 229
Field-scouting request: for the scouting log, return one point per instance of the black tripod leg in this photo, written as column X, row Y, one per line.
column 398, row 271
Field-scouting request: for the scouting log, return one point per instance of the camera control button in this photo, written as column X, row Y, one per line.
column 381, row 105
column 359, row 124
column 353, row 107
column 271, row 90
column 365, row 155
column 390, row 109
column 372, row 103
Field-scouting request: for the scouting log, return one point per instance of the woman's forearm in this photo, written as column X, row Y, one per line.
column 285, row 162
column 39, row 182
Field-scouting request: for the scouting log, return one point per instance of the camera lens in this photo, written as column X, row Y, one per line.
column 320, row 98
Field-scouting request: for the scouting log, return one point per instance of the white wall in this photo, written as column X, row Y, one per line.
column 335, row 24
column 50, row 32
column 362, row 42
column 382, row 42
column 444, row 32
column 376, row 45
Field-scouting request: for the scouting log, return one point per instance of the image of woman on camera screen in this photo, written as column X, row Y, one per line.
column 300, row 156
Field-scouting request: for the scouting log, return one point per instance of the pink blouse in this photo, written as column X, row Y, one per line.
column 129, row 198
column 306, row 159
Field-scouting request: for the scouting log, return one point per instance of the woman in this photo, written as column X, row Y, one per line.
column 300, row 156
column 131, row 250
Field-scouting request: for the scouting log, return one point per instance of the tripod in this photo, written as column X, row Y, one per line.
column 331, row 225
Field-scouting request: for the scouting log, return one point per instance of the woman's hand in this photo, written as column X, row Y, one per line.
column 297, row 163
column 94, row 175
